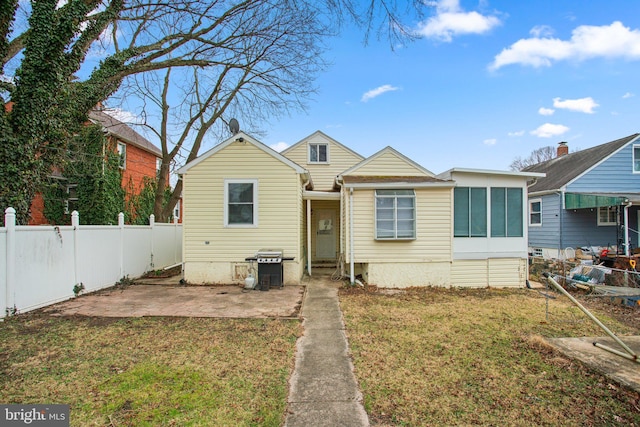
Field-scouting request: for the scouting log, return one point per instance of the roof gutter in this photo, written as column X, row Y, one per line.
column 352, row 276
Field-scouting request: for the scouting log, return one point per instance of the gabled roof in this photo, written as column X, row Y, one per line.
column 387, row 149
column 123, row 132
column 565, row 169
column 243, row 137
column 325, row 136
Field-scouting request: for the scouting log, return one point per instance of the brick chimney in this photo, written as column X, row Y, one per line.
column 563, row 149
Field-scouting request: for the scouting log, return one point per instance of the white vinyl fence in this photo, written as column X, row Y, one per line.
column 40, row 265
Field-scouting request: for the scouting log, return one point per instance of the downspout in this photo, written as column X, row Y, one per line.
column 351, row 251
column 304, row 186
column 561, row 214
column 626, row 228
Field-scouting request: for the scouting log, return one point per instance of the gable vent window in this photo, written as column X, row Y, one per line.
column 395, row 214
column 636, row 159
column 318, row 153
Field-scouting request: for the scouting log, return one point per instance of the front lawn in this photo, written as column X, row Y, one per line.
column 150, row 371
column 476, row 357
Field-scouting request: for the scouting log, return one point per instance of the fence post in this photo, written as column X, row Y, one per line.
column 152, row 223
column 75, row 222
column 121, row 225
column 10, row 297
column 175, row 240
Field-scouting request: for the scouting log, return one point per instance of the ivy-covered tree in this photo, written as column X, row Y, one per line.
column 91, row 168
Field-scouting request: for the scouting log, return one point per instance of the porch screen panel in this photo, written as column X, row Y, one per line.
column 514, row 212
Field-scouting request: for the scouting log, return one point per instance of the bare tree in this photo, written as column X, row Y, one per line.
column 266, row 63
column 538, row 155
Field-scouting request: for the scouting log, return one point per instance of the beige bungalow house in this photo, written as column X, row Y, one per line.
column 384, row 217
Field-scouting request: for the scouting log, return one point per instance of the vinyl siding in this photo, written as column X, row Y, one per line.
column 388, row 164
column 323, row 175
column 547, row 235
column 279, row 206
column 433, row 230
column 615, row 174
column 494, row 272
column 580, row 228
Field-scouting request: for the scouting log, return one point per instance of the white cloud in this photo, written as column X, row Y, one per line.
column 628, row 95
column 587, row 41
column 123, row 115
column 582, row 105
column 490, row 141
column 377, row 92
column 548, row 130
column 279, row 146
column 517, row 133
column 541, row 31
column 450, row 20
column 546, row 111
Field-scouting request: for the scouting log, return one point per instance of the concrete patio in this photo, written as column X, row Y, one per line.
column 167, row 298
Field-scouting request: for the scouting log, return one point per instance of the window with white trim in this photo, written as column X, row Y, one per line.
column 506, row 212
column 122, row 153
column 176, row 210
column 535, row 212
column 395, row 214
column 470, row 212
column 636, row 159
column 607, row 215
column 318, row 153
column 241, row 202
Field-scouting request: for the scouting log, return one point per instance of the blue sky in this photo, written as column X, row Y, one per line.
column 487, row 82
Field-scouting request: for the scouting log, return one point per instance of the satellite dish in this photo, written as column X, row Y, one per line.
column 234, row 126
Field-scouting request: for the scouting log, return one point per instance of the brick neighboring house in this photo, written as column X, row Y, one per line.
column 139, row 159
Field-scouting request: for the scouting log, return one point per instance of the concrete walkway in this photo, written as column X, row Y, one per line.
column 323, row 389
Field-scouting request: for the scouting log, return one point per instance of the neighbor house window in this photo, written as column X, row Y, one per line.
column 176, row 210
column 395, row 214
column 122, row 153
column 506, row 212
column 158, row 164
column 318, row 153
column 71, row 202
column 636, row 159
column 241, row 202
column 607, row 215
column 535, row 212
column 469, row 212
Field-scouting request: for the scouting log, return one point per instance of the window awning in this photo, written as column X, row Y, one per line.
column 582, row 200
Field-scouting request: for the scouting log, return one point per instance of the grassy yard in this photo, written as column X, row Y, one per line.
column 476, row 357
column 150, row 371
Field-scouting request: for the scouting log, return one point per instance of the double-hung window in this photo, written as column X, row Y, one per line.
column 395, row 214
column 241, row 203
column 318, row 153
column 535, row 212
column 607, row 215
column 636, row 159
column 122, row 153
column 506, row 212
column 470, row 212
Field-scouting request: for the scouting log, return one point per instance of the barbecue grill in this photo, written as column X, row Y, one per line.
column 269, row 268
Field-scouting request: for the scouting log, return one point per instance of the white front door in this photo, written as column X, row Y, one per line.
column 326, row 234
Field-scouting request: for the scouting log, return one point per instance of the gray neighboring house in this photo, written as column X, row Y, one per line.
column 587, row 198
